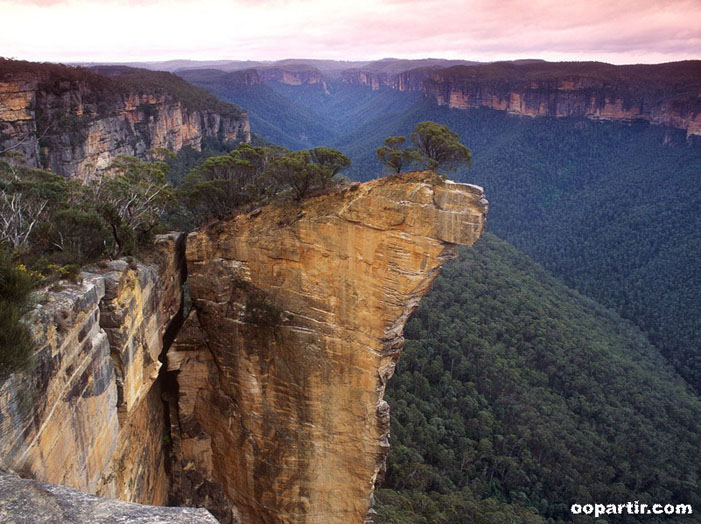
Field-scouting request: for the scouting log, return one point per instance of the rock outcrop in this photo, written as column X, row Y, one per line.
column 74, row 122
column 24, row 501
column 272, row 410
column 411, row 80
column 247, row 77
column 666, row 94
column 297, row 325
column 89, row 415
column 309, row 76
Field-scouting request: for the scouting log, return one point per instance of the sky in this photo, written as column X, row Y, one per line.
column 615, row 31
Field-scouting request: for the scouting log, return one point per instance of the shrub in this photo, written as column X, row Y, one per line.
column 16, row 344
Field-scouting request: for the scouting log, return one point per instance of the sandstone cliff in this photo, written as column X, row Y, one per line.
column 667, row 94
column 273, row 408
column 73, row 121
column 410, row 80
column 293, row 76
column 247, row 77
column 90, row 416
column 297, row 325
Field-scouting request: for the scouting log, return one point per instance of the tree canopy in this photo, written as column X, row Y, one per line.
column 435, row 147
column 517, row 397
column 439, row 147
column 250, row 175
column 394, row 155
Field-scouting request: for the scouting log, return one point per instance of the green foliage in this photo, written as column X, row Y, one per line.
column 131, row 200
column 439, row 148
column 296, row 170
column 307, row 169
column 227, row 182
column 331, row 162
column 188, row 158
column 395, row 156
column 77, row 234
column 517, row 397
column 27, row 198
column 16, row 344
column 250, row 175
column 51, row 222
column 415, row 507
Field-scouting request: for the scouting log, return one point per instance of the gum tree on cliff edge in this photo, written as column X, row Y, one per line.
column 435, row 147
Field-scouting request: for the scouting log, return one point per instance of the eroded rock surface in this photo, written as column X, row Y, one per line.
column 297, row 325
column 75, row 127
column 24, row 501
column 663, row 94
column 89, row 415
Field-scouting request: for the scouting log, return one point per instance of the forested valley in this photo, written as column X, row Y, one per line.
column 555, row 362
column 517, row 397
column 610, row 207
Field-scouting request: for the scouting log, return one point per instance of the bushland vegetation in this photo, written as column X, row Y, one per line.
column 50, row 226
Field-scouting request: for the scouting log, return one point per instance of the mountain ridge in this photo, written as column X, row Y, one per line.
column 74, row 121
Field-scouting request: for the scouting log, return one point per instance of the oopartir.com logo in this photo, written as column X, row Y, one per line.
column 631, row 508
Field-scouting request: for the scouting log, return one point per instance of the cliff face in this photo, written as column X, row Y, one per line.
column 272, row 410
column 90, row 415
column 76, row 125
column 248, row 77
column 602, row 93
column 297, row 325
column 410, row 81
column 294, row 77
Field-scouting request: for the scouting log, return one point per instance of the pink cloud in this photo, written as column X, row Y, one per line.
column 626, row 30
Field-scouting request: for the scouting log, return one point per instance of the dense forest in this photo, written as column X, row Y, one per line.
column 609, row 207
column 517, row 397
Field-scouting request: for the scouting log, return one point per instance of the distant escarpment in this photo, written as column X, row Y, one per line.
column 247, row 77
column 74, row 121
column 668, row 94
column 410, row 81
column 293, row 76
column 297, row 323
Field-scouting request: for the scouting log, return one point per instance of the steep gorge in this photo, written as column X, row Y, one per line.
column 74, row 122
column 274, row 396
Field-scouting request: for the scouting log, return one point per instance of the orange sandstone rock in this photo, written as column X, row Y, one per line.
column 296, row 328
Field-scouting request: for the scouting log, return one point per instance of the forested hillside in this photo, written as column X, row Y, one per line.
column 517, row 397
column 303, row 116
column 272, row 116
column 609, row 207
